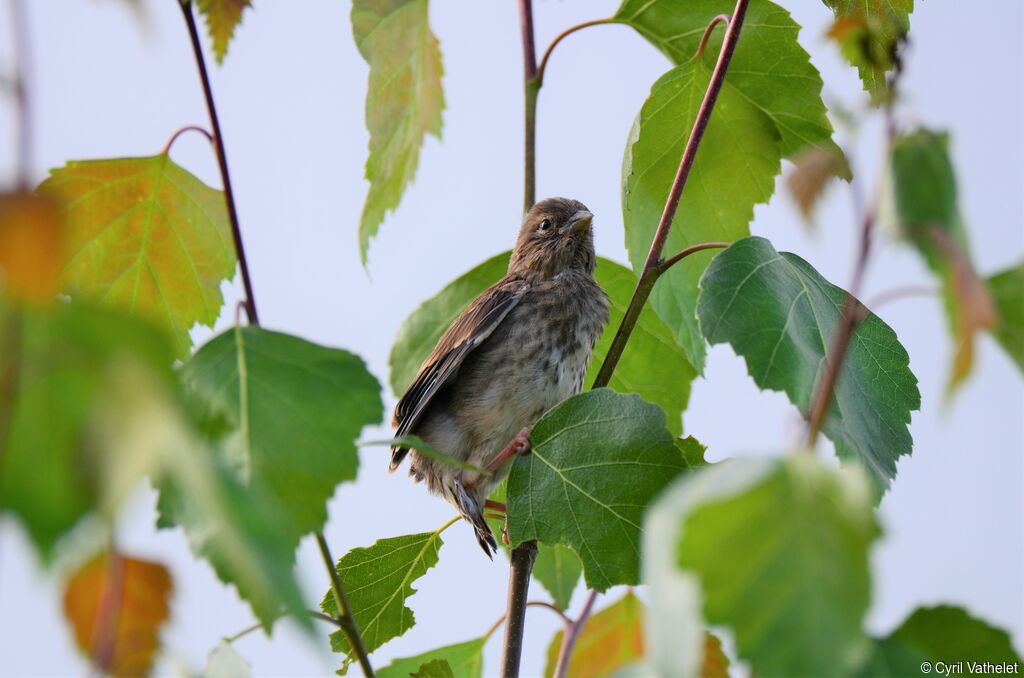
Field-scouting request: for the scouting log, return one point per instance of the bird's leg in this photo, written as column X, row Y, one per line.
column 518, row 445
column 495, row 506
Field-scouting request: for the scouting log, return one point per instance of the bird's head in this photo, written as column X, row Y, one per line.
column 555, row 236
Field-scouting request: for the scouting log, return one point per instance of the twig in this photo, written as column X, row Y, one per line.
column 533, row 603
column 562, row 36
column 653, row 265
column 522, row 559
column 841, row 340
column 22, row 69
column 244, row 632
column 222, row 161
column 530, row 88
column 572, row 632
column 346, row 620
column 687, row 251
column 182, row 130
column 897, row 293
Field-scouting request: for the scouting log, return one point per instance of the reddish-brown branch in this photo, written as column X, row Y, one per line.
column 222, row 162
column 848, row 321
column 651, row 270
column 572, row 633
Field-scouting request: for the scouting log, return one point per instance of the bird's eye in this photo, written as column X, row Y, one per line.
column 545, row 225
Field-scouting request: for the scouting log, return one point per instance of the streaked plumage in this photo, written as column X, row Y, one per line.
column 516, row 351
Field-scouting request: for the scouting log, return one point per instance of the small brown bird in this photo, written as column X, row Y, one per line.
column 516, row 351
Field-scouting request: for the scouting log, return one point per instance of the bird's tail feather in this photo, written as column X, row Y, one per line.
column 470, row 510
column 397, row 455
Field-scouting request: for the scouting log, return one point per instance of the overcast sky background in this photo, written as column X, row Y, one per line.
column 291, row 98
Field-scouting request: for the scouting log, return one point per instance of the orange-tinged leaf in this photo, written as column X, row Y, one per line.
column 31, row 247
column 970, row 306
column 716, row 664
column 610, row 640
column 614, row 638
column 147, row 236
column 116, row 606
column 222, row 17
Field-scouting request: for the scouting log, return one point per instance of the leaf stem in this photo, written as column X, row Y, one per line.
column 687, row 251
column 346, row 620
column 707, row 33
column 897, row 293
column 572, row 632
column 653, row 266
column 22, row 67
column 182, row 130
column 562, row 36
column 533, row 603
column 222, row 161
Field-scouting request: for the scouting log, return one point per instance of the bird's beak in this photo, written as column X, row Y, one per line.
column 580, row 222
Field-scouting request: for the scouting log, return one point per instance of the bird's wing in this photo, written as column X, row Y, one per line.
column 468, row 331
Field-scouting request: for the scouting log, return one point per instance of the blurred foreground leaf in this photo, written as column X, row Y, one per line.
column 31, row 248
column 465, row 660
column 1007, row 290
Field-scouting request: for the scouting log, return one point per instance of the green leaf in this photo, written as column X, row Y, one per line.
column 770, row 107
column 611, row 639
column 82, row 387
column 925, row 199
column 222, row 17
column 377, row 581
column 558, row 570
column 769, row 67
column 570, row 490
column 145, row 235
column 943, row 633
column 240, row 530
column 780, row 315
column 437, row 668
column 652, row 365
column 403, row 100
column 719, row 200
column 1007, row 291
column 868, row 32
column 296, row 410
column 780, row 549
column 465, row 660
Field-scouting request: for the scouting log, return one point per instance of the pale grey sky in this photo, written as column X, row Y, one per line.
column 291, row 103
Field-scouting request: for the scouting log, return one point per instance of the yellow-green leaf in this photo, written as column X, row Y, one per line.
column 403, row 100
column 222, row 17
column 147, row 236
column 611, row 639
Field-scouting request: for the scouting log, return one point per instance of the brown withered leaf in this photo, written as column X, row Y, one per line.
column 812, row 170
column 116, row 606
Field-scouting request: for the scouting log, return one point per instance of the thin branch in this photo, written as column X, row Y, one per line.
column 651, row 268
column 549, row 606
column 244, row 632
column 182, row 130
column 848, row 321
column 687, row 251
column 898, row 293
column 346, row 619
column 22, row 71
column 530, row 89
column 571, row 634
column 522, row 559
column 222, row 161
column 559, row 38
